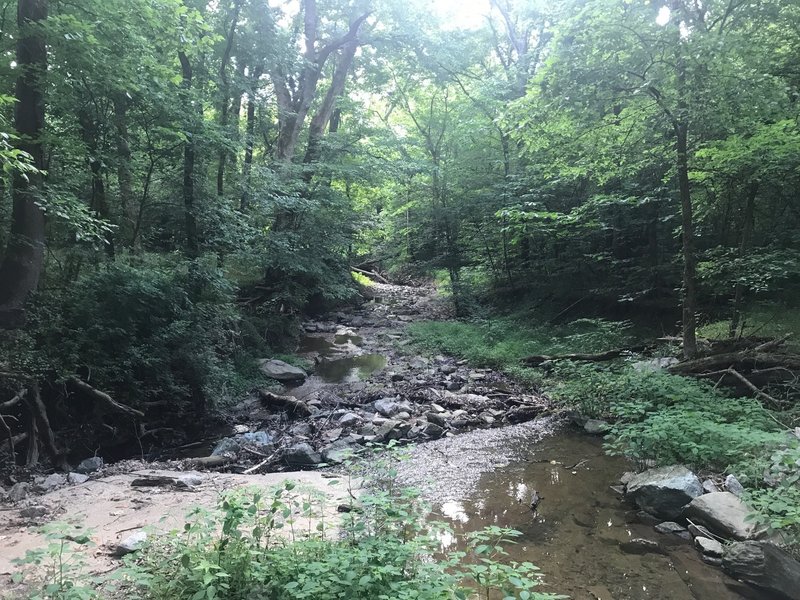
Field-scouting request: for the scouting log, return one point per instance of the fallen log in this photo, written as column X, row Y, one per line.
column 746, row 360
column 371, row 274
column 290, row 404
column 536, row 360
column 104, row 398
column 153, row 481
column 208, row 462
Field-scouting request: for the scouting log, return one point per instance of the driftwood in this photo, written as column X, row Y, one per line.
column 106, row 400
column 290, row 404
column 208, row 462
column 536, row 360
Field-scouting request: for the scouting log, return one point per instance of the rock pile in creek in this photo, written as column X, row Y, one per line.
column 717, row 522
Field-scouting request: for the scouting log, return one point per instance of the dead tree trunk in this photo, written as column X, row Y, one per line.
column 22, row 263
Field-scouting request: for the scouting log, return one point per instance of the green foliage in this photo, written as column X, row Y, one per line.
column 504, row 341
column 776, row 505
column 58, row 570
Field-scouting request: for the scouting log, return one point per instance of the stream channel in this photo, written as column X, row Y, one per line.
column 579, row 535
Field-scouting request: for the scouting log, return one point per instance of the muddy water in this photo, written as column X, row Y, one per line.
column 576, row 532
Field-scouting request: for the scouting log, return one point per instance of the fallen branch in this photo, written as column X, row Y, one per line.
column 748, row 359
column 371, row 274
column 255, row 468
column 536, row 360
column 153, row 481
column 208, row 462
column 747, row 383
column 773, row 344
column 14, row 401
column 104, row 398
column 288, row 403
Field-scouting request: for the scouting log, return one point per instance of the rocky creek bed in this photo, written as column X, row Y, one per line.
column 482, row 449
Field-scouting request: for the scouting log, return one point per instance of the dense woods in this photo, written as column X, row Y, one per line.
column 183, row 180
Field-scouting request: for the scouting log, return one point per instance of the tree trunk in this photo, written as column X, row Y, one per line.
column 124, row 172
column 225, row 95
column 250, row 129
column 98, row 200
column 190, row 219
column 744, row 246
column 22, row 263
column 687, row 231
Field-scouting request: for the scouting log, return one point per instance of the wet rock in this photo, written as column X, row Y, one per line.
column 664, row 491
column 765, row 566
column 641, row 546
column 302, row 455
column 89, row 465
column 52, row 482
column 19, row 491
column 349, row 419
column 733, row 486
column 708, row 546
column 724, row 514
column 33, row 512
column 277, row 369
column 596, row 427
column 710, row 487
column 388, row 407
column 131, row 544
column 77, row 478
column 673, row 528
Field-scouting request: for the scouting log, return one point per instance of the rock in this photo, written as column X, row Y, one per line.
column 349, row 419
column 448, row 369
column 436, row 419
column 699, row 531
column 596, row 427
column 132, row 543
column 388, row 407
column 664, row 491
column 226, row 446
column 337, row 453
column 418, row 362
column 454, row 386
column 708, row 546
column 52, row 482
column 302, row 455
column 520, row 414
column 724, row 514
column 33, row 512
column 733, row 486
column 641, row 546
column 397, row 377
column 260, row 439
column 710, row 487
column 277, row 369
column 19, row 491
column 765, row 566
column 77, row 478
column 433, row 431
column 301, row 429
column 402, row 416
column 626, row 477
column 673, row 528
column 712, row 560
column 189, row 480
column 89, row 465
column 392, row 430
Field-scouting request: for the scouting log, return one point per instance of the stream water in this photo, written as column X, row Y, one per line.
column 578, row 534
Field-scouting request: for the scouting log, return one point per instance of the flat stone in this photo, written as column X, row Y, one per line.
column 670, row 527
column 724, row 514
column 89, row 465
column 664, row 491
column 765, row 566
column 131, row 544
column 77, row 478
column 282, row 371
column 708, row 546
column 641, row 546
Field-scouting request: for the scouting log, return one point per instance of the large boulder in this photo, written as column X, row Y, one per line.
column 724, row 514
column 277, row 369
column 302, row 455
column 664, row 491
column 763, row 565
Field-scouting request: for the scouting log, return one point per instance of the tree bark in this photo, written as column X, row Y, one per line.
column 190, row 220
column 22, row 263
column 124, row 172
